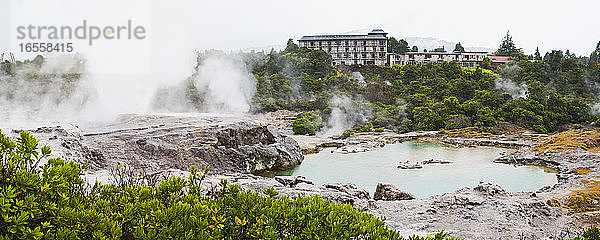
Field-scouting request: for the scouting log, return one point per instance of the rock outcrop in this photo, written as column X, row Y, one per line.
column 158, row 142
column 389, row 192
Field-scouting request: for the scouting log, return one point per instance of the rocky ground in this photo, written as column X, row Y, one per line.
column 238, row 148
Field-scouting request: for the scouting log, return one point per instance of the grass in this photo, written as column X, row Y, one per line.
column 587, row 140
column 582, row 171
column 586, row 200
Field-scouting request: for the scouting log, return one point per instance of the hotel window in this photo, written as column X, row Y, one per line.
column 381, row 42
column 382, row 49
column 329, row 49
column 346, row 43
column 364, row 43
column 364, row 55
column 312, row 43
column 346, row 49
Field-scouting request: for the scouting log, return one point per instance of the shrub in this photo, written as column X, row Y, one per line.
column 307, row 124
column 346, row 134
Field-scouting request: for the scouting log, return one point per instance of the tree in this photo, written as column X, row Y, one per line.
column 537, row 56
column 427, row 119
column 440, row 49
column 415, row 49
column 595, row 56
column 318, row 63
column 291, row 46
column 397, row 46
column 459, row 48
column 508, row 48
column 487, row 63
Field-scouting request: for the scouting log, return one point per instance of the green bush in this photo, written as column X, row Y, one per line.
column 347, row 134
column 52, row 202
column 365, row 127
column 307, row 124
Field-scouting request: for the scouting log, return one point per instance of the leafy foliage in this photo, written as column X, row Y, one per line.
column 307, row 123
column 397, row 46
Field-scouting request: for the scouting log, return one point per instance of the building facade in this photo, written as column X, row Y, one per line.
column 464, row 59
column 364, row 49
column 498, row 61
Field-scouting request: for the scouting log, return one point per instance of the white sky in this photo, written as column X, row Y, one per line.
column 180, row 26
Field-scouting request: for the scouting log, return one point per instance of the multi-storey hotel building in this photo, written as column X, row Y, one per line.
column 465, row 59
column 364, row 49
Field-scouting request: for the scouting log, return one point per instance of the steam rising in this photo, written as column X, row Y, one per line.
column 506, row 84
column 358, row 78
column 56, row 89
column 227, row 85
column 221, row 84
column 345, row 113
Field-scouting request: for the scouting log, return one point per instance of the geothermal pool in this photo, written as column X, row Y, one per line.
column 469, row 166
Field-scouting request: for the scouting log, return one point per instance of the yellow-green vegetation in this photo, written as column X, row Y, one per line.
column 582, row 171
column 307, row 123
column 52, row 202
column 585, row 200
column 588, row 140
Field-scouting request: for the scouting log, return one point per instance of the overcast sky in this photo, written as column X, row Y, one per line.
column 176, row 26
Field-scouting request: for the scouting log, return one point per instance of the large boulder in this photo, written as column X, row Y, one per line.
column 389, row 192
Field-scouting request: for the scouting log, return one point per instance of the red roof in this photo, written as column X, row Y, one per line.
column 502, row 59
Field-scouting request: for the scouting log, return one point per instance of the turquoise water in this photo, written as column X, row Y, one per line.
column 469, row 167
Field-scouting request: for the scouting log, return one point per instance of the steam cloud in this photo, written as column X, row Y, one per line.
column 506, row 84
column 221, row 84
column 344, row 115
column 56, row 89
